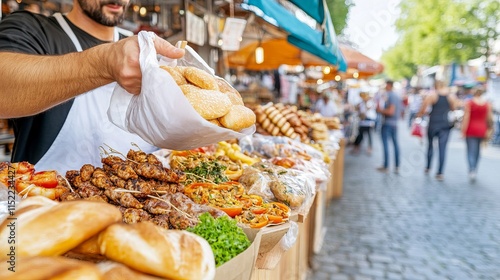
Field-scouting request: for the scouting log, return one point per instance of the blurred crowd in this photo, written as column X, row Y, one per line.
column 430, row 114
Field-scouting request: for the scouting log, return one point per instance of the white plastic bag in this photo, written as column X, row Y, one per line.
column 161, row 114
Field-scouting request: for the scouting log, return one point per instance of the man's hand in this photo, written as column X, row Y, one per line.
column 123, row 61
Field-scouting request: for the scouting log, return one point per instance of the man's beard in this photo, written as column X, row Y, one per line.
column 98, row 16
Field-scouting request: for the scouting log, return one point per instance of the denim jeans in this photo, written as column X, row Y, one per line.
column 473, row 149
column 442, row 135
column 390, row 131
column 496, row 136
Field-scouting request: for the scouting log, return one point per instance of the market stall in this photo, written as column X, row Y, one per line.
column 218, row 201
column 161, row 198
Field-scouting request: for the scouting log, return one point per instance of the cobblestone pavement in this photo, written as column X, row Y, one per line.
column 410, row 226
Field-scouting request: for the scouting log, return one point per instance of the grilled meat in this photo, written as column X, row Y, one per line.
column 155, row 206
column 124, row 199
column 86, row 172
column 162, row 221
column 86, row 189
column 132, row 216
column 140, row 185
column 100, row 179
column 69, row 196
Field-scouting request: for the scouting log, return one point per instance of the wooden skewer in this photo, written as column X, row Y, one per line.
column 184, row 213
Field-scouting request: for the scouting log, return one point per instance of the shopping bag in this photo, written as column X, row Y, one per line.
column 417, row 129
column 161, row 114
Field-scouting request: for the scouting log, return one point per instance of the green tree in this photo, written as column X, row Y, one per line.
column 339, row 11
column 397, row 61
column 436, row 32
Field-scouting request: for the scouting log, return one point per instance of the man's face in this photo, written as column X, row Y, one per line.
column 105, row 12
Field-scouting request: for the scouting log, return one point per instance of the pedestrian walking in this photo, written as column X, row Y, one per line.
column 367, row 116
column 441, row 102
column 390, row 112
column 478, row 119
column 415, row 100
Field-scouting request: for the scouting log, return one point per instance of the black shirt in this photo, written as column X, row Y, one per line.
column 24, row 32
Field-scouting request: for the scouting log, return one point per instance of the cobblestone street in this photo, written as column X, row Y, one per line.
column 410, row 226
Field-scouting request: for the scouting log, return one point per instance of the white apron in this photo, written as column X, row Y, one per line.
column 87, row 128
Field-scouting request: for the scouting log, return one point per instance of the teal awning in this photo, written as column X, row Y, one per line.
column 321, row 43
column 314, row 8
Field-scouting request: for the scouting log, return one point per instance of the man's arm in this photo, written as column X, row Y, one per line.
column 31, row 84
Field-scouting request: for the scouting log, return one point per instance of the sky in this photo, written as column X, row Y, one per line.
column 370, row 25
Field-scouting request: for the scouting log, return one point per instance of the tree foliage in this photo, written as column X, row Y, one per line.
column 438, row 32
column 339, row 11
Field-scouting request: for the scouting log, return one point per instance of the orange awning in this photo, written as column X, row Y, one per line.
column 279, row 51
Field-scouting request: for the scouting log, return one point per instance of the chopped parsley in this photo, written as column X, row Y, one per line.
column 226, row 239
column 211, row 171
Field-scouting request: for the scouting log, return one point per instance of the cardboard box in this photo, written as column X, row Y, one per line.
column 241, row 267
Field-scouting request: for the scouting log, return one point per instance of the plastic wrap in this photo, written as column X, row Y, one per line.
column 316, row 168
column 161, row 114
column 290, row 237
column 278, row 146
column 294, row 188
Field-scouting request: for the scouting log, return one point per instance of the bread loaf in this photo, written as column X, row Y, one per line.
column 117, row 271
column 43, row 268
column 210, row 104
column 52, row 230
column 238, row 118
column 200, row 78
column 176, row 75
column 148, row 248
column 233, row 94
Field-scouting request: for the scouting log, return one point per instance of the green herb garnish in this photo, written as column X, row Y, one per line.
column 226, row 239
column 211, row 171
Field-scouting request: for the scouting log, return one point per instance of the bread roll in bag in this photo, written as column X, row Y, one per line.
column 161, row 115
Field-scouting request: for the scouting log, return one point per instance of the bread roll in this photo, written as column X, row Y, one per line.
column 285, row 127
column 172, row 254
column 55, row 229
column 210, row 104
column 261, row 117
column 233, row 94
column 266, row 123
column 188, row 88
column 215, row 122
column 273, row 114
column 238, row 118
column 275, row 131
column 88, row 247
column 200, row 78
column 56, row 268
column 176, row 75
column 269, row 110
column 117, row 271
column 276, row 118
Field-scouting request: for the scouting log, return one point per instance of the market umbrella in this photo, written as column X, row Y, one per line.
column 279, row 51
column 361, row 63
column 276, row 53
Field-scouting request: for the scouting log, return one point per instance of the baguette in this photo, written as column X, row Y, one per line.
column 52, row 230
column 148, row 248
column 43, row 268
column 117, row 271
